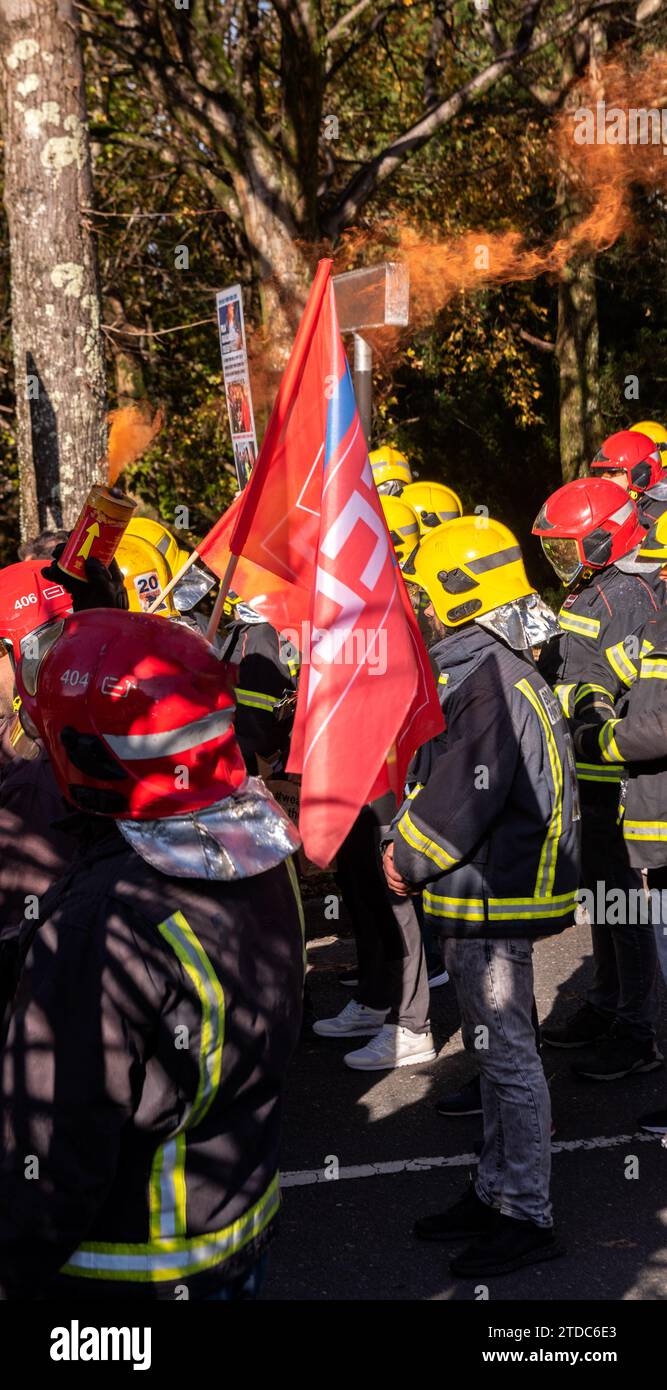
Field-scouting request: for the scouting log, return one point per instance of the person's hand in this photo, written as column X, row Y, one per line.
column 103, row 586
column 395, row 883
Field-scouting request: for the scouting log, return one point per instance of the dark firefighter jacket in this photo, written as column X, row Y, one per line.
column 264, row 691
column 35, row 846
column 142, row 1073
column 587, row 664
column 652, row 504
column 638, row 738
column 493, row 836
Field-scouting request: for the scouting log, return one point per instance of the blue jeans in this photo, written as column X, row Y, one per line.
column 247, row 1285
column 494, row 986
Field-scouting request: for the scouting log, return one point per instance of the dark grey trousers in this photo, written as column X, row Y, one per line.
column 390, row 953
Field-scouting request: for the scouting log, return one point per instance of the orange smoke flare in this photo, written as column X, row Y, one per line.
column 131, row 429
column 599, row 176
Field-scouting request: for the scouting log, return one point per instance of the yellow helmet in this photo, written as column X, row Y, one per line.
column 145, row 574
column 656, row 432
column 402, row 525
column 148, row 530
column 654, row 546
column 433, row 502
column 389, row 466
column 195, row 583
column 469, row 567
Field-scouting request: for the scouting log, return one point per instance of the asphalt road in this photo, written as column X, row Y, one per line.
column 351, row 1238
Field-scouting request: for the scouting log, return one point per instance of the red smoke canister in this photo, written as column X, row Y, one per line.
column 98, row 532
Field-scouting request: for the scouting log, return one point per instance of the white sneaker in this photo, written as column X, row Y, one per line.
column 392, row 1047
column 355, row 1020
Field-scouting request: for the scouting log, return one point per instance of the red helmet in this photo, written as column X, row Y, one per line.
column 589, row 523
column 136, row 715
column 633, row 454
column 27, row 602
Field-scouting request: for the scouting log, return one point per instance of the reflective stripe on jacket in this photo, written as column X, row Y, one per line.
column 147, row 1048
column 493, row 836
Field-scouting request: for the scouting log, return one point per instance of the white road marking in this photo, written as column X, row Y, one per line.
column 422, row 1165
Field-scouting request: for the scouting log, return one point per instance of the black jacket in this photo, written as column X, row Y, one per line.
column 587, row 665
column 493, row 836
column 637, row 736
column 265, row 690
column 142, row 1073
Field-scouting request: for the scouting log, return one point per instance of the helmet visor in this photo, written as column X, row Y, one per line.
column 562, row 553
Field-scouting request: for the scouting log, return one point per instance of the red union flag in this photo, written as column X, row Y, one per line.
column 310, row 521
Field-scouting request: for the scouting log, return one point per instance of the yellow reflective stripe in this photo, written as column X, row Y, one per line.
column 575, row 622
column 564, row 693
column 256, row 699
column 593, row 772
column 607, row 741
column 464, row 909
column 584, row 690
column 646, row 647
column 621, row 664
column 167, row 1190
column 653, row 668
column 294, row 880
column 503, row 909
column 499, row 909
column 417, row 840
column 178, row 932
column 645, row 830
column 418, row 787
column 443, row 678
column 546, row 871
column 157, row 1261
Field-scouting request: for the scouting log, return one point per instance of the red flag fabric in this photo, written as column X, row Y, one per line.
column 310, row 527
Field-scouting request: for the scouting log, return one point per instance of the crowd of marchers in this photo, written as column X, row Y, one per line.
column 151, row 926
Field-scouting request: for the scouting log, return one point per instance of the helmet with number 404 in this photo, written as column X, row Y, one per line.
column 137, row 716
column 28, row 602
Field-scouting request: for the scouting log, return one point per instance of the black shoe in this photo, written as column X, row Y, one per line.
column 349, row 978
column 619, row 1055
column 467, row 1217
column 467, row 1101
column 654, row 1121
column 585, row 1027
column 510, row 1245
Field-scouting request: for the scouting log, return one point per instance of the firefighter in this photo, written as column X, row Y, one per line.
column 636, row 736
column 145, row 574
column 492, row 839
column 268, row 670
column 656, row 432
column 159, row 993
column 27, row 602
column 391, row 470
column 434, row 504
column 196, row 582
column 591, row 534
column 402, row 525
column 634, row 461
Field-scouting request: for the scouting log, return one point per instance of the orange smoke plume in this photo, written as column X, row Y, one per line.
column 596, row 170
column 131, row 429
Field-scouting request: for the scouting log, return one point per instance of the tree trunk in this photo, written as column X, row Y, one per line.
column 57, row 343
column 577, row 337
column 577, row 355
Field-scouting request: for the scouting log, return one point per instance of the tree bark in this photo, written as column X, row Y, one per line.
column 577, row 337
column 577, row 344
column 58, row 358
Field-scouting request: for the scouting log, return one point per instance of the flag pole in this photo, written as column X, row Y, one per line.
column 220, row 600
column 173, row 582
